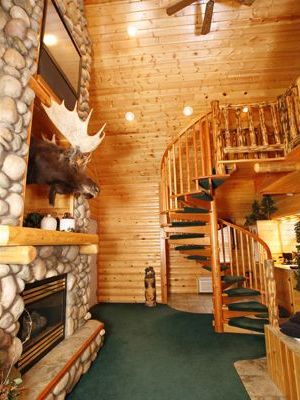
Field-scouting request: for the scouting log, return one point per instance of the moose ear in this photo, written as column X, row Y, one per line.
column 73, row 128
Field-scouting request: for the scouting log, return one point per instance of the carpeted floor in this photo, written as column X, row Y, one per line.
column 163, row 354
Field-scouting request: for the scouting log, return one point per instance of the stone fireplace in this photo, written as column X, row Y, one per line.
column 42, row 324
column 20, row 26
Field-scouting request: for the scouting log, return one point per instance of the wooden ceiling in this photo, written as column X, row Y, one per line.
column 252, row 53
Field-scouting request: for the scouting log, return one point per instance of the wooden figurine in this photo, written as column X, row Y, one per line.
column 150, row 290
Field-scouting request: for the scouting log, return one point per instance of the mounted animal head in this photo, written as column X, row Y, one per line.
column 62, row 169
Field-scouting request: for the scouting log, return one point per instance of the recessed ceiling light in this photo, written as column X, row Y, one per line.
column 245, row 109
column 129, row 116
column 187, row 111
column 132, row 30
column 50, row 40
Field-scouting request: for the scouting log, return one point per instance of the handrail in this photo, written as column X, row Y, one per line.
column 251, row 234
column 181, row 133
column 245, row 253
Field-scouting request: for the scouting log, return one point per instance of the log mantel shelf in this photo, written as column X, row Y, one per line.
column 17, row 244
column 19, row 236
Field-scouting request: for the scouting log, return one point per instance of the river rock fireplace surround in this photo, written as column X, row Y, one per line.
column 45, row 255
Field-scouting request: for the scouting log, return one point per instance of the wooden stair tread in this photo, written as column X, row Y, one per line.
column 188, row 229
column 240, row 292
column 254, row 306
column 198, row 240
column 233, row 278
column 193, row 210
column 176, row 216
column 252, row 324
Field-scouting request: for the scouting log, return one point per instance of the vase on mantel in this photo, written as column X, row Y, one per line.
column 49, row 223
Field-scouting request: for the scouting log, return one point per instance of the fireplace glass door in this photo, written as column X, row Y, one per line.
column 42, row 324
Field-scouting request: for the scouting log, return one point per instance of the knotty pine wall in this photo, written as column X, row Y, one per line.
column 128, row 207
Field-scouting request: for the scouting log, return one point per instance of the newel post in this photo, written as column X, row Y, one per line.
column 216, row 269
column 217, row 139
column 271, row 294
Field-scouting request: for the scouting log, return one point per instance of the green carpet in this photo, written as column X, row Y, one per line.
column 163, row 354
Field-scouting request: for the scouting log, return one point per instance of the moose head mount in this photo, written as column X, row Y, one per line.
column 63, row 169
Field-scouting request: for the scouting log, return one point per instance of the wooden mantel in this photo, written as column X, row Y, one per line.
column 17, row 244
column 18, row 236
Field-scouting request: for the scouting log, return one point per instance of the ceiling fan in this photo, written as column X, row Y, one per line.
column 173, row 9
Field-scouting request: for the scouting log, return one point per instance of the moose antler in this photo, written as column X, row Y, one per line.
column 73, row 128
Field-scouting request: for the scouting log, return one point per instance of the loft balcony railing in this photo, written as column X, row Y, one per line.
column 226, row 136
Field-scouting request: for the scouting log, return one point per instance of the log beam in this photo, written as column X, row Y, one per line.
column 276, row 167
column 17, row 254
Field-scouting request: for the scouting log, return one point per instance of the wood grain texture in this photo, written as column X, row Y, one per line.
column 250, row 55
column 128, row 209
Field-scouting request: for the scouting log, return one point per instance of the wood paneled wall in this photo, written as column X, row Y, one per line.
column 128, row 208
column 251, row 54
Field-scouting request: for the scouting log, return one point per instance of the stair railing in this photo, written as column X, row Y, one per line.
column 246, row 254
column 247, row 133
column 289, row 114
column 187, row 158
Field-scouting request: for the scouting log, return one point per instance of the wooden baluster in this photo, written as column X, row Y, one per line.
column 230, row 249
column 291, row 114
column 170, row 182
column 206, row 156
column 264, row 257
column 180, row 166
column 239, row 131
column 217, row 138
column 251, row 129
column 250, row 283
column 271, row 293
column 296, row 97
column 195, row 158
column 163, row 188
column 237, row 265
column 263, row 125
column 174, row 176
column 223, row 244
column 242, row 253
column 226, row 123
column 284, row 122
column 260, row 272
column 187, row 162
column 253, row 259
column 275, row 123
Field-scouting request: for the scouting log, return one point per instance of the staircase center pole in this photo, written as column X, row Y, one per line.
column 216, row 269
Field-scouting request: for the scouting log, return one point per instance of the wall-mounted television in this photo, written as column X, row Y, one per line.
column 60, row 58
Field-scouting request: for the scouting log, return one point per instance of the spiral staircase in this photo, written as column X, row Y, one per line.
column 205, row 155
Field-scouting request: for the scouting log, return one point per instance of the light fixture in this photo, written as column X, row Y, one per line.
column 129, row 116
column 50, row 39
column 245, row 109
column 187, row 111
column 132, row 30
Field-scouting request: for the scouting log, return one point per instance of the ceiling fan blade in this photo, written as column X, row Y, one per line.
column 246, row 2
column 179, row 6
column 207, row 17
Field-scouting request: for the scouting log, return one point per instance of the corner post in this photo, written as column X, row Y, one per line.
column 216, row 270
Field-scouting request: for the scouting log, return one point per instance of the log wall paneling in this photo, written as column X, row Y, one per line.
column 128, row 208
column 250, row 55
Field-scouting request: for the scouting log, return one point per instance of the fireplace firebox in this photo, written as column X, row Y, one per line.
column 42, row 324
